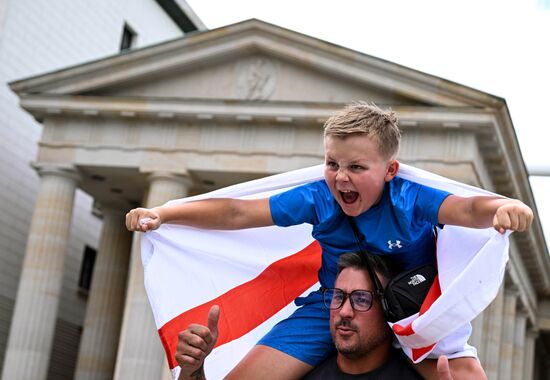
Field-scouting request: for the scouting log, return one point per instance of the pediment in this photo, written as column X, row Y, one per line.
column 254, row 77
column 253, row 60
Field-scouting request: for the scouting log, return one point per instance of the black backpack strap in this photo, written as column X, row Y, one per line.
column 377, row 285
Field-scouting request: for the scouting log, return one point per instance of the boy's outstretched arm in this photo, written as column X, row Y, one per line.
column 486, row 211
column 220, row 214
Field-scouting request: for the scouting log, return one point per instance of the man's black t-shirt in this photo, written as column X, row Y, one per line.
column 396, row 367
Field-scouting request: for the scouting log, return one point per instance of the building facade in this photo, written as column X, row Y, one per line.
column 42, row 36
column 228, row 105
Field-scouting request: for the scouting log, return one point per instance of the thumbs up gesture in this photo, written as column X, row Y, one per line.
column 194, row 345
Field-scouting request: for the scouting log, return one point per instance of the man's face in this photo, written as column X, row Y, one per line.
column 355, row 172
column 357, row 333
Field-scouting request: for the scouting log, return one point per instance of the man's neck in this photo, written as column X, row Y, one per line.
column 366, row 363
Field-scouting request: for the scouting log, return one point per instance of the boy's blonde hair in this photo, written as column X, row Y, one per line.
column 362, row 118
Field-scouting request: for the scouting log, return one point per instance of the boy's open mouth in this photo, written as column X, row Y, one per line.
column 349, row 196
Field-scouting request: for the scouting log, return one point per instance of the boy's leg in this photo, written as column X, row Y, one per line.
column 292, row 347
column 263, row 362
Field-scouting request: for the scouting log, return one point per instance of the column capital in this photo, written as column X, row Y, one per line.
column 68, row 171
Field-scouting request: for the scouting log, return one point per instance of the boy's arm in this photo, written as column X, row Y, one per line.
column 485, row 211
column 221, row 214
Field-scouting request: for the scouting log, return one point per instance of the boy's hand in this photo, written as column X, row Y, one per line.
column 195, row 343
column 514, row 216
column 142, row 219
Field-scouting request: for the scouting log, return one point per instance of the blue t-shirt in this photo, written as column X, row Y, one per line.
column 400, row 225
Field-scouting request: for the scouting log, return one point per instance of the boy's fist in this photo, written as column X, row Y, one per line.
column 142, row 219
column 514, row 216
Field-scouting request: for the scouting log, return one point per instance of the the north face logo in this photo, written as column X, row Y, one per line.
column 416, row 279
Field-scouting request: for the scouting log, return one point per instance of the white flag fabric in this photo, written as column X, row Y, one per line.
column 255, row 274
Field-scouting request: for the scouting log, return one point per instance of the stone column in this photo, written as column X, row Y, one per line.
column 507, row 339
column 97, row 354
column 35, row 314
column 519, row 345
column 140, row 353
column 492, row 327
column 529, row 355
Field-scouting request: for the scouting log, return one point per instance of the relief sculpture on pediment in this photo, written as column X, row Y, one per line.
column 255, row 79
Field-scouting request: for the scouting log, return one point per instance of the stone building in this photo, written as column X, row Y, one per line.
column 228, row 105
column 38, row 36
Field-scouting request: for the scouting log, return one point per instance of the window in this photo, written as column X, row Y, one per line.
column 87, row 268
column 128, row 38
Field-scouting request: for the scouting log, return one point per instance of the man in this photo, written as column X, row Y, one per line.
column 362, row 338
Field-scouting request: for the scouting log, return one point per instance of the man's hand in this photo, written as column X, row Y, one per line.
column 443, row 370
column 142, row 219
column 194, row 345
column 514, row 216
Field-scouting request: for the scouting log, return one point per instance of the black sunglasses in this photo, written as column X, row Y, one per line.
column 334, row 298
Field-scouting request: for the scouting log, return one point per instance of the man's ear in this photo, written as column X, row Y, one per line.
column 393, row 168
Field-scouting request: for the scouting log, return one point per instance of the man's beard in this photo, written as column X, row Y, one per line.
column 361, row 347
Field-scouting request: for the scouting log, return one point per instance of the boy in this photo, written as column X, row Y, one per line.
column 395, row 216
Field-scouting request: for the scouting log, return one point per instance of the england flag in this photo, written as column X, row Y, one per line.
column 254, row 275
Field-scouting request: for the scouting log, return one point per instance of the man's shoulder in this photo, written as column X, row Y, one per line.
column 396, row 367
column 327, row 370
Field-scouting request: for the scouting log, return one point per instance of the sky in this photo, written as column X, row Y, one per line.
column 499, row 47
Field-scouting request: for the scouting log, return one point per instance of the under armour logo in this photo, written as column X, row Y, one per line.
column 397, row 244
column 416, row 279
